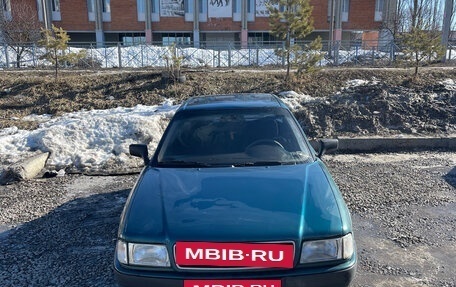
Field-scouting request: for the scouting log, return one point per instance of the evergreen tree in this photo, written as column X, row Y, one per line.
column 422, row 43
column 56, row 43
column 291, row 20
column 421, row 46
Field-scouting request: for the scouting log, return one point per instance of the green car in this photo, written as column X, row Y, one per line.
column 235, row 196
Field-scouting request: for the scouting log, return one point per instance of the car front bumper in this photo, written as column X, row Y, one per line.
column 340, row 275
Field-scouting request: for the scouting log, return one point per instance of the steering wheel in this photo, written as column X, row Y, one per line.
column 269, row 142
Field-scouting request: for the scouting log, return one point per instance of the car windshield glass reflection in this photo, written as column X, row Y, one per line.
column 242, row 137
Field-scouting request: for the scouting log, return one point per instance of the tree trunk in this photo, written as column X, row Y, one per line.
column 417, row 64
column 287, row 48
column 18, row 60
column 56, row 68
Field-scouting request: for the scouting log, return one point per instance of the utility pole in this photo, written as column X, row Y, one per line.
column 244, row 23
column 45, row 14
column 446, row 25
column 196, row 24
column 331, row 27
column 148, row 20
column 337, row 38
column 99, row 34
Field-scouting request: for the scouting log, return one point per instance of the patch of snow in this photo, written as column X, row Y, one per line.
column 37, row 118
column 449, row 84
column 154, row 56
column 356, row 83
column 90, row 141
column 359, row 82
column 8, row 131
column 295, row 101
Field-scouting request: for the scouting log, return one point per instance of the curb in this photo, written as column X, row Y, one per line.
column 372, row 145
column 24, row 169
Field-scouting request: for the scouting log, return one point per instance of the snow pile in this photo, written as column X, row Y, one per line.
column 359, row 82
column 449, row 84
column 94, row 141
column 295, row 101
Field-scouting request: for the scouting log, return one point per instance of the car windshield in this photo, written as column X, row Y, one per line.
column 233, row 137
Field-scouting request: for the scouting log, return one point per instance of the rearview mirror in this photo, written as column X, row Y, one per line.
column 140, row 150
column 324, row 146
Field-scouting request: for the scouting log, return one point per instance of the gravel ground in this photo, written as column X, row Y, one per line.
column 61, row 231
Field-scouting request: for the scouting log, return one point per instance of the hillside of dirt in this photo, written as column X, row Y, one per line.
column 331, row 102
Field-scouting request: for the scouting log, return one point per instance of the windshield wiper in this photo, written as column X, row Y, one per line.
column 259, row 163
column 182, row 163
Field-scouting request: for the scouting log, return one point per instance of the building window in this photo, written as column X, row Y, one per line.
column 6, row 4
column 344, row 9
column 55, row 4
column 106, row 6
column 203, row 10
column 91, row 9
column 180, row 39
column 106, row 10
column 263, row 39
column 53, row 10
column 154, row 7
column 129, row 39
column 237, row 10
column 251, row 10
column 379, row 10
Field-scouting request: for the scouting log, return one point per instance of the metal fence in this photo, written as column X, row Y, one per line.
column 210, row 54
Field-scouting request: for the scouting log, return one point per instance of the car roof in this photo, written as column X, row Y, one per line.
column 228, row 101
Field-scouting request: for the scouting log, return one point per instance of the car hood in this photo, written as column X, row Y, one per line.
column 233, row 204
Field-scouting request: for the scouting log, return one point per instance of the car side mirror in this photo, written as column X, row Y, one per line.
column 324, row 146
column 140, row 150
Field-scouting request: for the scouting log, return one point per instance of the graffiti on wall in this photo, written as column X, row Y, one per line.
column 220, row 8
column 172, row 8
column 261, row 8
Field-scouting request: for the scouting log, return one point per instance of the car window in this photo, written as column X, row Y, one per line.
column 233, row 137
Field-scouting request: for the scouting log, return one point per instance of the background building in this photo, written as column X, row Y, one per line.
column 198, row 22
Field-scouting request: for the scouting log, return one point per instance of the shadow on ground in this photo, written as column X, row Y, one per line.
column 450, row 177
column 71, row 246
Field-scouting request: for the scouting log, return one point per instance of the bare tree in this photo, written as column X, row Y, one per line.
column 422, row 40
column 453, row 17
column 424, row 14
column 397, row 22
column 21, row 30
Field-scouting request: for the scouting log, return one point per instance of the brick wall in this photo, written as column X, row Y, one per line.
column 220, row 24
column 74, row 16
column 320, row 14
column 260, row 24
column 361, row 16
column 172, row 24
column 124, row 18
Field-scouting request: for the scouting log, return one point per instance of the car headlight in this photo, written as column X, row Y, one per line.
column 142, row 254
column 327, row 249
column 121, row 250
